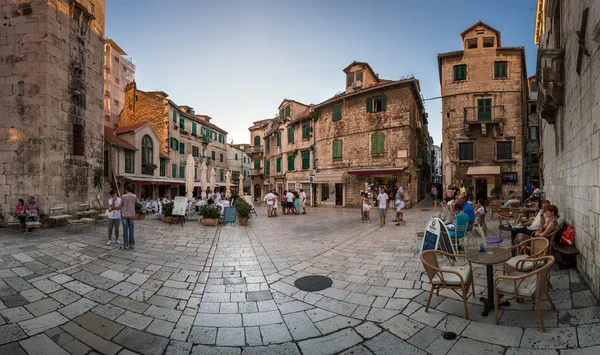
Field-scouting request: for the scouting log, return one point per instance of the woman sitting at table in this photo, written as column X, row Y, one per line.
column 550, row 225
column 480, row 214
column 460, row 223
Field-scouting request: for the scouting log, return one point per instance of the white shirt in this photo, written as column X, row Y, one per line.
column 537, row 222
column 382, row 198
column 399, row 192
column 303, row 196
column 289, row 197
column 218, row 197
column 269, row 198
column 399, row 205
column 117, row 213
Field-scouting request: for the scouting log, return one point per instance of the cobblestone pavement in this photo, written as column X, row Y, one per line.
column 230, row 290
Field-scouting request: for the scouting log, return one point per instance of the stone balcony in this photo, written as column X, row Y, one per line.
column 486, row 117
column 256, row 171
column 255, row 150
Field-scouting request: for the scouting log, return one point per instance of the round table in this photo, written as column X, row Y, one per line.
column 489, row 258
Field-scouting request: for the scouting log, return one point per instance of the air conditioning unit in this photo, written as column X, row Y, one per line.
column 357, row 84
column 311, row 178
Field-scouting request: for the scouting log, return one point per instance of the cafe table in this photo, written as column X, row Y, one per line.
column 489, row 258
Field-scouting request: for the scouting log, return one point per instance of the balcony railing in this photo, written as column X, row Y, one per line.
column 255, row 149
column 205, row 139
column 483, row 114
column 256, row 171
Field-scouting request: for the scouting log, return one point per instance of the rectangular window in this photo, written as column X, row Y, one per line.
column 337, row 113
column 194, row 128
column 286, row 111
column 129, row 162
column 472, row 43
column 290, row 162
column 354, row 76
column 117, row 59
column 236, row 157
column 267, row 167
column 268, row 144
column 182, row 122
column 278, row 165
column 460, row 72
column 257, row 164
column 278, row 138
column 181, row 148
column 500, row 69
column 175, row 115
column 291, row 135
column 163, row 167
column 306, row 160
column 377, row 143
column 213, row 155
column 484, row 109
column 488, row 42
column 174, row 170
column 78, row 139
column 195, row 173
column 376, row 104
column 504, row 150
column 221, row 175
column 195, row 151
column 306, row 130
column 533, row 133
column 221, row 157
column 465, row 151
column 106, row 93
column 337, row 149
column 182, row 171
column 324, row 192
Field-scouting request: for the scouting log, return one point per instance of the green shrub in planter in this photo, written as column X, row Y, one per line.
column 210, row 211
column 138, row 207
column 243, row 208
column 167, row 209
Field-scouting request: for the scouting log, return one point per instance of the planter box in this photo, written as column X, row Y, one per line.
column 210, row 221
column 243, row 221
column 167, row 219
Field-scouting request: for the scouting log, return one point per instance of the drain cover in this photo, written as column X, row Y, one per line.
column 449, row 335
column 313, row 283
column 425, row 209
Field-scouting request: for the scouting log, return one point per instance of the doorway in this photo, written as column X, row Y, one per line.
column 481, row 189
column 339, row 197
column 257, row 194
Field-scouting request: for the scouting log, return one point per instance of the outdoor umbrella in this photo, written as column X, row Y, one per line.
column 213, row 179
column 228, row 185
column 190, row 164
column 203, row 180
column 447, row 172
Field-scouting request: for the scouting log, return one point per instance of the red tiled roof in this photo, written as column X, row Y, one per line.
column 131, row 128
column 447, row 54
column 110, row 136
column 304, row 114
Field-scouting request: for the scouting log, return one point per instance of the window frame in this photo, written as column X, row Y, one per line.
column 278, row 138
column 378, row 143
column 182, row 148
column 484, row 106
column 336, row 113
column 462, row 151
column 306, row 130
column 339, row 150
column 305, row 159
column 470, row 41
column 129, row 162
column 290, row 134
column 147, row 154
column 182, row 171
column 290, row 162
column 173, row 170
column 459, row 69
column 163, row 167
column 501, row 69
column 278, row 164
column 507, row 147
column 379, row 100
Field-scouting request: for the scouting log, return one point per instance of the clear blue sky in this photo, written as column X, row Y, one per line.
column 235, row 60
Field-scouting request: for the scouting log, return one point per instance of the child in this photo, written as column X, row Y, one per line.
column 400, row 210
column 366, row 207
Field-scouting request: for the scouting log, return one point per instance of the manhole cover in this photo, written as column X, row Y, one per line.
column 313, row 283
column 425, row 209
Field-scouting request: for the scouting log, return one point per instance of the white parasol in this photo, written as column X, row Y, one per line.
column 203, row 179
column 447, row 172
column 213, row 180
column 228, row 185
column 190, row 164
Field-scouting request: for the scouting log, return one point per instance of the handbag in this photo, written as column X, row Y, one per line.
column 568, row 236
column 110, row 213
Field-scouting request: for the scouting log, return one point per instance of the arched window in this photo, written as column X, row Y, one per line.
column 147, row 154
column 256, row 141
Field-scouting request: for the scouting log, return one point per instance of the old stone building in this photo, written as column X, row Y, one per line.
column 282, row 151
column 484, row 93
column 118, row 72
column 568, row 67
column 51, row 88
column 531, row 166
column 373, row 134
column 238, row 162
column 180, row 132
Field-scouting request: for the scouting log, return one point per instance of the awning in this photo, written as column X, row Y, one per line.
column 219, row 184
column 483, row 172
column 377, row 171
column 320, row 178
column 152, row 180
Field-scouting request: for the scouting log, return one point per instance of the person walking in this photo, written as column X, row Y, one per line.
column 303, row 201
column 128, row 216
column 114, row 203
column 382, row 200
column 434, row 193
column 366, row 207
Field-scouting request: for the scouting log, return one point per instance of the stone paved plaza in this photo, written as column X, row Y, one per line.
column 230, row 290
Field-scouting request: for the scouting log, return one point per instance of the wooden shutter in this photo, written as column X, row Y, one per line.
column 257, row 164
column 305, row 160
column 337, row 113
column 268, row 167
column 278, row 164
column 181, row 148
column 484, row 109
column 194, row 128
column 174, row 170
column 382, row 103
column 291, row 135
column 369, row 104
column 377, row 143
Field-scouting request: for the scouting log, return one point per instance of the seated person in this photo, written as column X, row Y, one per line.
column 551, row 217
column 533, row 224
column 20, row 213
column 467, row 208
column 509, row 202
column 460, row 223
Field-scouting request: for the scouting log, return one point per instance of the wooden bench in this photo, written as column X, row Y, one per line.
column 10, row 221
column 566, row 255
column 58, row 214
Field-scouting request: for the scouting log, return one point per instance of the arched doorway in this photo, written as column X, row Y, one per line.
column 257, row 194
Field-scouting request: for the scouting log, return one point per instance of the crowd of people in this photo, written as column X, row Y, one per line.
column 291, row 202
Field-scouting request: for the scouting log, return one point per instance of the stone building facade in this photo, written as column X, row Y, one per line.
column 484, row 93
column 281, row 151
column 51, row 88
column 437, row 164
column 531, row 166
column 181, row 132
column 118, row 72
column 238, row 163
column 373, row 134
column 569, row 105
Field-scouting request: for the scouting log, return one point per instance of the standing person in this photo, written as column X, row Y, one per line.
column 434, row 193
column 297, row 202
column 456, row 190
column 269, row 198
column 528, row 189
column 463, row 190
column 114, row 203
column 128, row 216
column 400, row 209
column 382, row 200
column 289, row 197
column 303, row 201
column 275, row 203
column 366, row 207
column 284, row 202
column 399, row 192
column 449, row 194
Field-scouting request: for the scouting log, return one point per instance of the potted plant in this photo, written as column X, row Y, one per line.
column 243, row 210
column 167, row 210
column 495, row 192
column 138, row 211
column 210, row 214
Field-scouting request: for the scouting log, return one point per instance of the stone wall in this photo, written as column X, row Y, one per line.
column 571, row 146
column 51, row 86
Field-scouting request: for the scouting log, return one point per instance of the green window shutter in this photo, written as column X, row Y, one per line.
column 278, row 164
column 281, row 113
column 305, row 160
column 337, row 148
column 257, row 164
column 268, row 167
column 305, row 130
column 221, row 175
column 181, row 148
column 174, row 170
column 377, row 143
column 382, row 103
column 195, row 172
column 369, row 104
column 194, row 128
column 460, row 72
column 213, row 155
column 221, row 157
column 268, row 144
column 182, row 171
column 174, row 115
column 290, row 162
column 278, row 137
column 287, row 111
column 256, row 141
column 291, row 135
column 484, row 109
column 337, row 113
column 182, row 122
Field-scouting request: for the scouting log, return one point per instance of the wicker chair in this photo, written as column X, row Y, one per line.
column 537, row 247
column 520, row 285
column 451, row 277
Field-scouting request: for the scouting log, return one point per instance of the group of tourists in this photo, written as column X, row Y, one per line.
column 121, row 210
column 382, row 205
column 291, row 202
